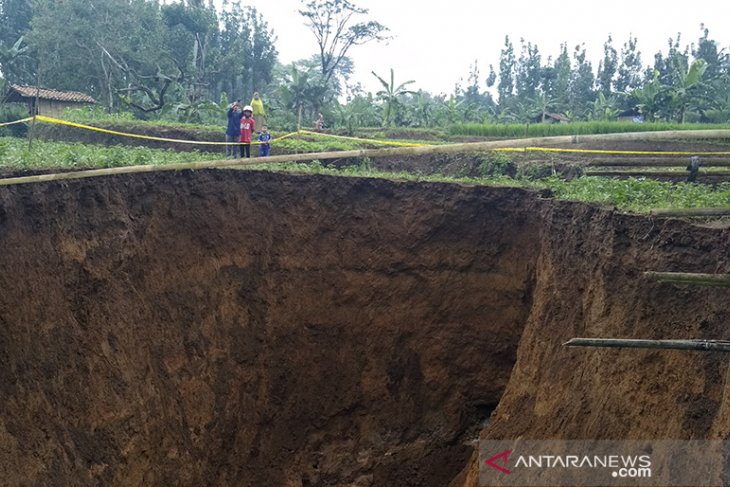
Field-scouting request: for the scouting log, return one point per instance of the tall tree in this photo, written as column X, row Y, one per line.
column 528, row 72
column 506, row 85
column 581, row 83
column 708, row 49
column 98, row 47
column 560, row 87
column 246, row 52
column 15, row 16
column 607, row 68
column 190, row 28
column 333, row 23
column 667, row 65
column 629, row 68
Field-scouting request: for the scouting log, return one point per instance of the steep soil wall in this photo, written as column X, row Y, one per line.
column 589, row 284
column 250, row 329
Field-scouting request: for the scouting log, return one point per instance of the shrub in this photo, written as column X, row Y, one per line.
column 496, row 164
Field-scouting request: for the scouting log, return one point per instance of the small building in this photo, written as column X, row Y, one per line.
column 549, row 117
column 51, row 103
column 631, row 115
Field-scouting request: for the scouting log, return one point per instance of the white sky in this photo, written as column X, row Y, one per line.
column 436, row 42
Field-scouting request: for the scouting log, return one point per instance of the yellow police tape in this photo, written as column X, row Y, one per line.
column 43, row 118
column 135, row 136
column 17, row 121
column 372, row 141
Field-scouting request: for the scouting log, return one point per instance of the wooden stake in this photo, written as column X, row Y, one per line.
column 717, row 280
column 697, row 345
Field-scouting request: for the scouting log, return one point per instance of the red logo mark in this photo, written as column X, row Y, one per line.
column 505, row 458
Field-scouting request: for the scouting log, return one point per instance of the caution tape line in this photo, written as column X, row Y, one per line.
column 4, row 124
column 372, row 141
column 135, row 136
column 285, row 136
column 58, row 121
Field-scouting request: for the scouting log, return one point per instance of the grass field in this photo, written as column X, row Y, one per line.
column 636, row 194
column 574, row 128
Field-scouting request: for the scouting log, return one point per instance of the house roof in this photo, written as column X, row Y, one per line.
column 557, row 116
column 22, row 91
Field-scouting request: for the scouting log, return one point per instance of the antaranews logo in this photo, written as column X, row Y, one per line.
column 601, row 463
column 502, row 457
column 619, row 465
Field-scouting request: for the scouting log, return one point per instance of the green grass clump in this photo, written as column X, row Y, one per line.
column 15, row 155
column 640, row 194
column 635, row 194
column 574, row 128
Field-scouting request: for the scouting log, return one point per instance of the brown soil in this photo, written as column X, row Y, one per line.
column 255, row 329
column 589, row 284
column 241, row 328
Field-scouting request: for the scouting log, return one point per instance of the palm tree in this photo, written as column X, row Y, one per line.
column 300, row 91
column 390, row 94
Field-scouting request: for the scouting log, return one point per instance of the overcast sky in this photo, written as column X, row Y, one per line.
column 435, row 42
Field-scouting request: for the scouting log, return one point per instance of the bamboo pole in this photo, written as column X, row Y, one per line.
column 654, row 162
column 390, row 152
column 696, row 279
column 691, row 212
column 696, row 345
column 661, row 174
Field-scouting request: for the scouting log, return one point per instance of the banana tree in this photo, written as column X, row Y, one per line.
column 541, row 104
column 650, row 98
column 11, row 55
column 686, row 85
column 604, row 108
column 390, row 95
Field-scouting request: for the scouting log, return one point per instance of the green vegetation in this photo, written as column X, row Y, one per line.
column 636, row 194
column 640, row 194
column 515, row 131
column 200, row 132
column 186, row 61
column 15, row 155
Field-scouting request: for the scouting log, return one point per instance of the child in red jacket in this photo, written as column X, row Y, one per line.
column 248, row 125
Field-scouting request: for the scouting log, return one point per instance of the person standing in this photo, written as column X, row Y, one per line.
column 248, row 126
column 259, row 114
column 319, row 122
column 264, row 140
column 233, row 131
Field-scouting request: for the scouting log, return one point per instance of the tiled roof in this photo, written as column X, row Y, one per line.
column 46, row 94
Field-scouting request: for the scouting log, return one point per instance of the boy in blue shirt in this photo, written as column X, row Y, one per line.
column 233, row 131
column 264, row 138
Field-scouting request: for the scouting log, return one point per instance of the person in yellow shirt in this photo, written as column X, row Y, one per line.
column 259, row 114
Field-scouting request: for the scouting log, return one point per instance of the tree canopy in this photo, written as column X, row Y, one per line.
column 185, row 60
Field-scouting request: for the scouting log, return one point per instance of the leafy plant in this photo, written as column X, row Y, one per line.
column 390, row 94
column 496, row 164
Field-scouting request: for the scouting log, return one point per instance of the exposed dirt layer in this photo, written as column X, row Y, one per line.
column 590, row 284
column 242, row 328
column 247, row 329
